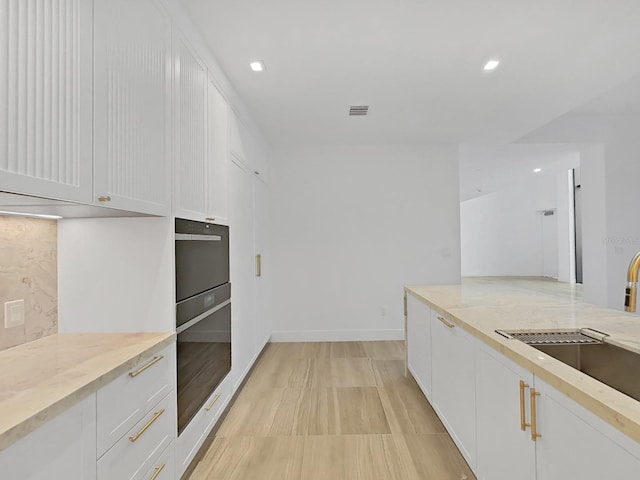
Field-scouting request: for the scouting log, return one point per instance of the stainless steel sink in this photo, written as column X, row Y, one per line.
column 614, row 366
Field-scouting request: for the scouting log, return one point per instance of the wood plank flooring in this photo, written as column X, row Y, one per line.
column 328, row 411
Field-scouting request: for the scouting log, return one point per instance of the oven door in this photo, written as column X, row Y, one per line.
column 202, row 257
column 203, row 359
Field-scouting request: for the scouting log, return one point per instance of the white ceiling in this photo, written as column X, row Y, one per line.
column 418, row 64
column 487, row 169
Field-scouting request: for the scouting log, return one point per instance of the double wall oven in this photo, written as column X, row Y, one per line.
column 203, row 313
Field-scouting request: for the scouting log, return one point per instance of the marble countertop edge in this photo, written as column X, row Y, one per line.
column 32, row 405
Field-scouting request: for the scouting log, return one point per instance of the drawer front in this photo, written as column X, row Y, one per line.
column 140, row 448
column 193, row 436
column 164, row 467
column 122, row 403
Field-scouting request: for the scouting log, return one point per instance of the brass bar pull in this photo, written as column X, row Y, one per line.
column 142, row 369
column 156, row 474
column 213, row 402
column 104, row 199
column 208, row 219
column 405, row 304
column 534, row 419
column 146, row 427
column 447, row 323
column 258, row 265
column 523, row 421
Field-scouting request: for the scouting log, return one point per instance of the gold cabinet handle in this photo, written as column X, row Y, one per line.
column 523, row 422
column 258, row 265
column 104, row 199
column 213, row 402
column 447, row 323
column 142, row 369
column 534, row 419
column 157, row 471
column 405, row 304
column 156, row 416
column 210, row 219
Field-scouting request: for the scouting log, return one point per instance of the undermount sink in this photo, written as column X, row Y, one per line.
column 610, row 364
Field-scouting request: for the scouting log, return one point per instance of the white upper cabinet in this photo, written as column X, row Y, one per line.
column 247, row 149
column 190, row 167
column 133, row 118
column 217, row 150
column 46, row 98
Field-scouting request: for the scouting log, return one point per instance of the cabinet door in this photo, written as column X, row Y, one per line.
column 453, row 383
column 190, row 180
column 419, row 343
column 218, row 148
column 241, row 252
column 505, row 451
column 574, row 443
column 63, row 448
column 46, row 98
column 133, row 81
column 262, row 259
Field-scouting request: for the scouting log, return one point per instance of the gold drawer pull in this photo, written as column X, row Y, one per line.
column 146, row 427
column 142, row 369
column 157, row 472
column 208, row 219
column 104, row 199
column 534, row 418
column 258, row 265
column 213, row 402
column 447, row 323
column 523, row 422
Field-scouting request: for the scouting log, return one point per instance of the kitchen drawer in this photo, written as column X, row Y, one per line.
column 142, row 446
column 164, row 467
column 194, row 435
column 124, row 401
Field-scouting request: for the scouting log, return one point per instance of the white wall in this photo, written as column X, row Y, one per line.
column 501, row 233
column 116, row 275
column 350, row 226
column 610, row 172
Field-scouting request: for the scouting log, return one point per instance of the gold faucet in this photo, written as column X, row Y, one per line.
column 631, row 291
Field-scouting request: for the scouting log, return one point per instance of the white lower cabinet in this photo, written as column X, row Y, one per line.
column 419, row 343
column 574, row 443
column 138, row 450
column 164, row 467
column 63, row 448
column 453, row 383
column 197, row 430
column 142, row 387
column 505, row 450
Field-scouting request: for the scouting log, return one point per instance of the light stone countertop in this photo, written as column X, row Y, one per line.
column 43, row 378
column 481, row 306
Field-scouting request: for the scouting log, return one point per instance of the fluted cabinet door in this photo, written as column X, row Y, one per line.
column 46, row 98
column 218, row 162
column 133, row 114
column 190, row 181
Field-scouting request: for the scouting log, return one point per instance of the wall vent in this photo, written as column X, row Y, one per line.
column 358, row 110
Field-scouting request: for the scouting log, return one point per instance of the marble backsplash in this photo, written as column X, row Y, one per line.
column 29, row 271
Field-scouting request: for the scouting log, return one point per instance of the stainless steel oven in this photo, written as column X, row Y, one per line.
column 203, row 313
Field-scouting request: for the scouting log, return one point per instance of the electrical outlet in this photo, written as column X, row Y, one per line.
column 14, row 313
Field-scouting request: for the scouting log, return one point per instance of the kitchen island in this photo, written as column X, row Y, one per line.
column 497, row 396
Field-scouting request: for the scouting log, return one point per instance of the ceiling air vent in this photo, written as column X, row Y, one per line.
column 358, row 110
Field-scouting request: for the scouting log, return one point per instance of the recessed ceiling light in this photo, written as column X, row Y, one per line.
column 34, row 215
column 257, row 66
column 537, row 170
column 491, row 65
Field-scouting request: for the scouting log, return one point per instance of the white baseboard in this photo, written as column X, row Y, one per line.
column 336, row 335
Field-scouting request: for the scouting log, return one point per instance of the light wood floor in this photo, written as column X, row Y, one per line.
column 331, row 411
